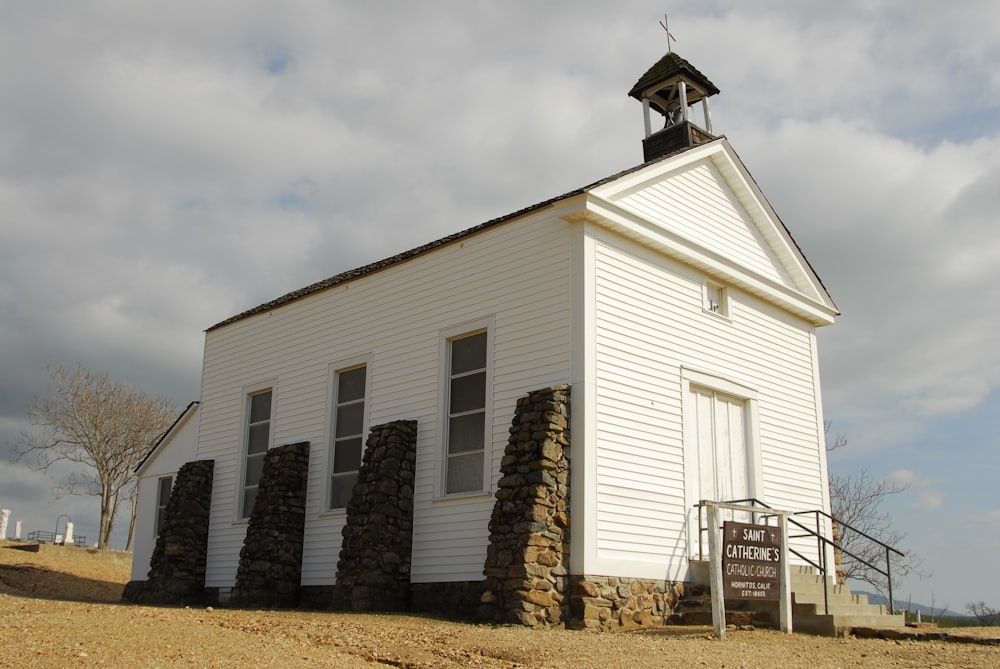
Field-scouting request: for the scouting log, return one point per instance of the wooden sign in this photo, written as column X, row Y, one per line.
column 751, row 561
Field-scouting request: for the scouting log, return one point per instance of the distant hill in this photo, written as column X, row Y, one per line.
column 903, row 605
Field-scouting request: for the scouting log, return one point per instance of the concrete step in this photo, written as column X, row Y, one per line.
column 817, row 608
column 839, row 598
column 846, row 610
column 839, row 625
column 811, row 583
column 700, row 618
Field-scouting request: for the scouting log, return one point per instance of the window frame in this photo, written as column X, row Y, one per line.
column 721, row 305
column 161, row 504
column 447, row 337
column 335, row 370
column 249, row 392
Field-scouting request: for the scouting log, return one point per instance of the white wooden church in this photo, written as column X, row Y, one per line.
column 669, row 300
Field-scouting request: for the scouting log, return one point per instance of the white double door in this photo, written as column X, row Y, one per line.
column 721, row 442
column 717, row 462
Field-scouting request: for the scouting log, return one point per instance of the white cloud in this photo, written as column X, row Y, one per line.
column 902, row 477
column 902, row 235
column 928, row 492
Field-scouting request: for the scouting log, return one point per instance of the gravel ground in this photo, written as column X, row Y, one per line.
column 59, row 608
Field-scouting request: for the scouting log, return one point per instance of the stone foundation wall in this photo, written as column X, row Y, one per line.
column 316, row 597
column 270, row 568
column 373, row 573
column 456, row 599
column 610, row 603
column 528, row 555
column 177, row 568
column 527, row 580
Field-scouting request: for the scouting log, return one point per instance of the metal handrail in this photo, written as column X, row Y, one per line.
column 50, row 537
column 702, row 529
column 839, row 546
column 821, row 543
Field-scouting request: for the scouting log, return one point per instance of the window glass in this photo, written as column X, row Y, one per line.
column 715, row 299
column 258, row 438
column 349, row 413
column 342, row 490
column 249, row 497
column 164, row 492
column 466, row 432
column 347, row 456
column 255, row 465
column 465, row 472
column 468, row 353
column 350, row 419
column 258, row 441
column 351, row 384
column 468, row 392
column 466, row 426
column 162, row 497
column 260, row 407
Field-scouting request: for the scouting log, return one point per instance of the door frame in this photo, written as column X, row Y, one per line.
column 751, row 440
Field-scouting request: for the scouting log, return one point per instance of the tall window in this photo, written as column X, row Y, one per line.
column 258, row 441
column 162, row 497
column 466, row 432
column 348, row 434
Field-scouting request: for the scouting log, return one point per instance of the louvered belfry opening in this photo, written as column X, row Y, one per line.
column 672, row 87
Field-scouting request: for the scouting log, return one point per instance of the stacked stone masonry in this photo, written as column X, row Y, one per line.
column 270, row 568
column 454, row 599
column 177, row 568
column 610, row 603
column 527, row 557
column 373, row 573
column 527, row 581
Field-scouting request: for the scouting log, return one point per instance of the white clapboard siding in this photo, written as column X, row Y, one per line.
column 650, row 326
column 516, row 275
column 697, row 204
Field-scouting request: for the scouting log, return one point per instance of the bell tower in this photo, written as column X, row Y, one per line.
column 671, row 87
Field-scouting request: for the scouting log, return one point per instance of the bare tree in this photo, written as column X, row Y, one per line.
column 986, row 616
column 133, row 500
column 863, row 527
column 107, row 427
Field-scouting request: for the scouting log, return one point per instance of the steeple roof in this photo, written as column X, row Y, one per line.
column 671, row 65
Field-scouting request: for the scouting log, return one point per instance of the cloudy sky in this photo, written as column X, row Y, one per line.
column 162, row 169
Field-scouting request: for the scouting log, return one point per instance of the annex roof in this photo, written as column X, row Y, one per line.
column 182, row 418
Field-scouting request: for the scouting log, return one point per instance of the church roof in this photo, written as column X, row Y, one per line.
column 371, row 268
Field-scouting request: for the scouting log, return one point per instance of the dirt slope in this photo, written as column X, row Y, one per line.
column 59, row 608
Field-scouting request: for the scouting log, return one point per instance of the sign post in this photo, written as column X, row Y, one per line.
column 751, row 563
column 715, row 573
column 785, row 604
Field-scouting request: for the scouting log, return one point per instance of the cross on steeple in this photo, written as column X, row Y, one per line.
column 666, row 28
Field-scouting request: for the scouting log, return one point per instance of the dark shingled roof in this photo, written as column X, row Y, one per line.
column 669, row 66
column 350, row 275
